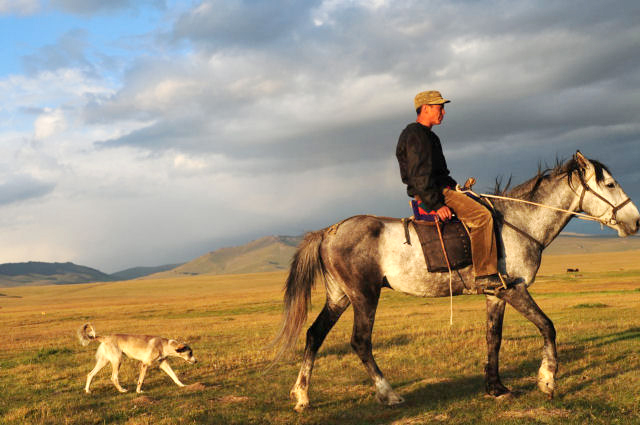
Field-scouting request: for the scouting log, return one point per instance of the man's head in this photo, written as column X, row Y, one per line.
column 430, row 107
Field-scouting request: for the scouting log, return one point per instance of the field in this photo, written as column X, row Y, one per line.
column 229, row 319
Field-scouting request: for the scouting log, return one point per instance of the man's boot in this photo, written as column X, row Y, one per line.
column 493, row 283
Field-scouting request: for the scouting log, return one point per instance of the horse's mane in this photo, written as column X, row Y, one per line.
column 529, row 188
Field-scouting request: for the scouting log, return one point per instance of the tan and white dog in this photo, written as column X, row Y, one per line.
column 145, row 348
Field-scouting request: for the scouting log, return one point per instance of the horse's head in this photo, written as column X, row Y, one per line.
column 601, row 196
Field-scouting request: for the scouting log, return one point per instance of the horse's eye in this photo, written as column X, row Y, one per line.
column 611, row 185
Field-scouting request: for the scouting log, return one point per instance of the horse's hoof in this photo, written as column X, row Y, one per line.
column 547, row 388
column 546, row 379
column 391, row 399
column 499, row 392
column 503, row 396
column 301, row 407
column 301, row 398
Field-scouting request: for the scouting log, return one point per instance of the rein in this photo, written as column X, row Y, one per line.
column 585, row 188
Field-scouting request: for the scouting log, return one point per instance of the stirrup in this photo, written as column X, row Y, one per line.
column 495, row 284
column 506, row 283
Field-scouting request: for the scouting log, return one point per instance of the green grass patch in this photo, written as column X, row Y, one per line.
column 50, row 354
column 590, row 305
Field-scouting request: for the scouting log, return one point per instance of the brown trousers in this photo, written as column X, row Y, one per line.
column 480, row 224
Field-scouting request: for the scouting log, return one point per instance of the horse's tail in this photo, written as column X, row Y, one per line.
column 306, row 266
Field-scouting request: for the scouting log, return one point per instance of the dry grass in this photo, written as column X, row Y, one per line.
column 229, row 319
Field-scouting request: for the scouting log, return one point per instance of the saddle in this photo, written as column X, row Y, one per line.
column 434, row 235
column 445, row 245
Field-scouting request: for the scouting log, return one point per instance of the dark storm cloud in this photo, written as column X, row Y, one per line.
column 524, row 78
column 91, row 7
column 164, row 135
column 242, row 23
column 23, row 187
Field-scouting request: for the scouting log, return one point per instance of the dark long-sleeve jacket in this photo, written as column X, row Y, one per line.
column 422, row 165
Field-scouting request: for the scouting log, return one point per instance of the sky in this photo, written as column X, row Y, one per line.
column 147, row 132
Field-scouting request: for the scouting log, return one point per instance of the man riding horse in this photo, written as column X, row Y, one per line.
column 357, row 257
column 423, row 169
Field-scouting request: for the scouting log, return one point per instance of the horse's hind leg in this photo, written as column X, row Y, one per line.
column 315, row 337
column 364, row 311
column 518, row 296
column 495, row 316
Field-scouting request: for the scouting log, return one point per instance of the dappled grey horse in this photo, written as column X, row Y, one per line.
column 359, row 256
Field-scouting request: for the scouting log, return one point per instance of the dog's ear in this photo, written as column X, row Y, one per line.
column 182, row 348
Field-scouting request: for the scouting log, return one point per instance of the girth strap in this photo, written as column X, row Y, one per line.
column 405, row 223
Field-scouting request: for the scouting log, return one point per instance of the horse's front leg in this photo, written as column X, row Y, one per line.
column 519, row 297
column 495, row 316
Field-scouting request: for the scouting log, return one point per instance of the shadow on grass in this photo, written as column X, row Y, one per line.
column 603, row 340
column 430, row 395
column 345, row 348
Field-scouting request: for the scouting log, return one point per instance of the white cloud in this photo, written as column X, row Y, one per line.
column 181, row 161
column 49, row 123
column 21, row 7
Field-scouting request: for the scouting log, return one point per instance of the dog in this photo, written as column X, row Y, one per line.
column 144, row 348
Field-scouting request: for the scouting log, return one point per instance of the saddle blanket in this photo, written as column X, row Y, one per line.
column 456, row 242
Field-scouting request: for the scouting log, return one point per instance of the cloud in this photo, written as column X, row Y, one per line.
column 92, row 7
column 228, row 24
column 23, row 187
column 334, row 84
column 68, row 52
column 296, row 107
column 20, row 7
column 49, row 123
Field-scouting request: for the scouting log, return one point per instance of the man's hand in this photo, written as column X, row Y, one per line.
column 444, row 213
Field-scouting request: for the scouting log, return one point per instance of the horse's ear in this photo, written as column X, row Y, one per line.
column 582, row 161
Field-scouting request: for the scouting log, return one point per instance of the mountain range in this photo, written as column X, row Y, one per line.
column 270, row 253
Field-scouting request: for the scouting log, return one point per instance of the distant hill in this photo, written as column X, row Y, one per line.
column 136, row 272
column 39, row 273
column 270, row 253
column 585, row 244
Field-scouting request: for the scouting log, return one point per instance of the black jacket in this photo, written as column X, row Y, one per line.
column 422, row 165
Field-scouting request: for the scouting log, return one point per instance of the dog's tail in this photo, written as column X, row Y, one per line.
column 86, row 334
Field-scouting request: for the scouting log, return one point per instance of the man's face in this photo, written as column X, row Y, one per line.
column 432, row 114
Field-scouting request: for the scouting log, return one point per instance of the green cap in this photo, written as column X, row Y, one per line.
column 431, row 97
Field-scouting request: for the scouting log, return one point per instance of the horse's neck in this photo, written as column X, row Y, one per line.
column 543, row 224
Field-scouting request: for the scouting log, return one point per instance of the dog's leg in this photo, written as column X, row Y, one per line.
column 143, row 371
column 102, row 362
column 165, row 366
column 115, row 365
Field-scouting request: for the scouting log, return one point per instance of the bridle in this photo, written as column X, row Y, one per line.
column 614, row 208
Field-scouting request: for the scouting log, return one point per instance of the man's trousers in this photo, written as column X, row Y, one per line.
column 479, row 221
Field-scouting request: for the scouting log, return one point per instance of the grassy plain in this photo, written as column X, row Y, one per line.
column 228, row 320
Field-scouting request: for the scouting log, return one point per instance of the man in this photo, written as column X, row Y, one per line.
column 424, row 170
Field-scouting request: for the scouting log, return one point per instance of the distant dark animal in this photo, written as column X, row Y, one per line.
column 359, row 256
column 573, row 270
